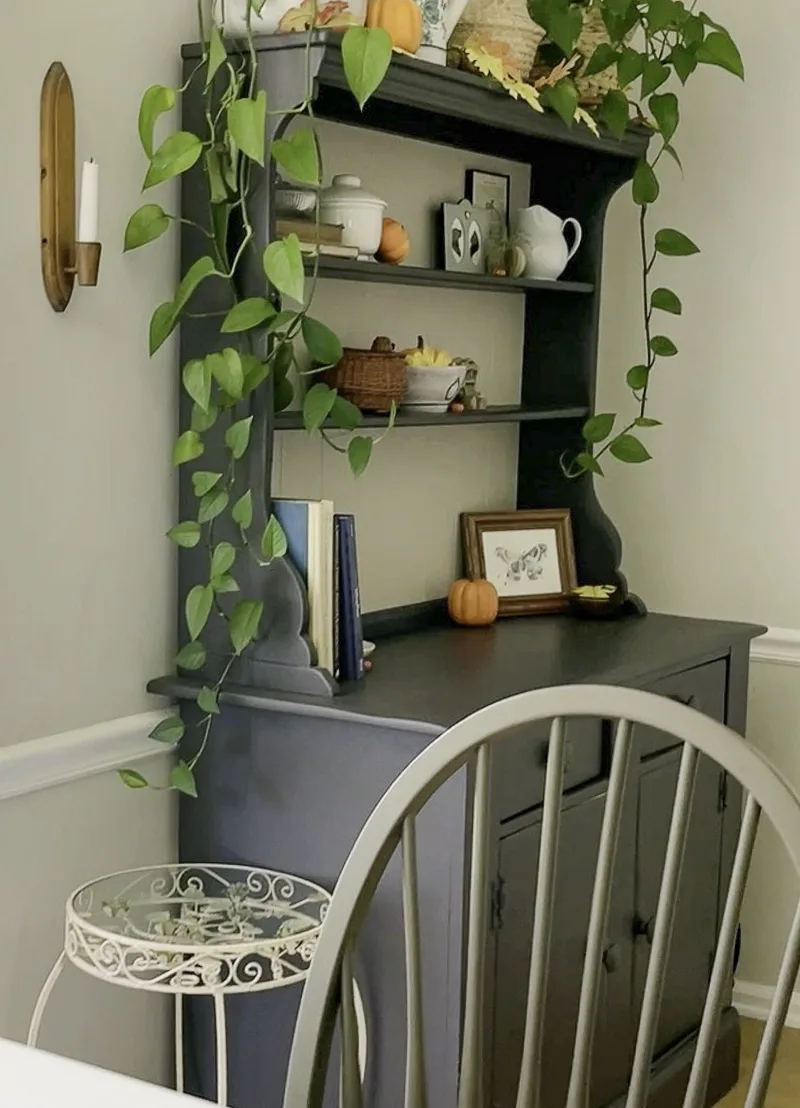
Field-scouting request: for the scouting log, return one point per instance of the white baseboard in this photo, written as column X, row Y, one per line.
column 755, row 1001
column 780, row 645
column 42, row 763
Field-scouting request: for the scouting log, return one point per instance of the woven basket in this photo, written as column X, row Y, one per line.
column 497, row 23
column 370, row 379
column 593, row 89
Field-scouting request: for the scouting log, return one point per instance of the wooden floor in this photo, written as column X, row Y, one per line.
column 785, row 1088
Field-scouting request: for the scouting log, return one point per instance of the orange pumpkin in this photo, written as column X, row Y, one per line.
column 401, row 18
column 472, row 603
column 395, row 243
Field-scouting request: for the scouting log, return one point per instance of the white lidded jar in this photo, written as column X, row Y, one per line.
column 291, row 15
column 358, row 212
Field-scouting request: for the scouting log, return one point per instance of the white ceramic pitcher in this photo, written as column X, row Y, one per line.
column 540, row 233
column 439, row 19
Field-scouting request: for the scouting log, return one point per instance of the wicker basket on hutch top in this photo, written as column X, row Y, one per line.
column 372, row 379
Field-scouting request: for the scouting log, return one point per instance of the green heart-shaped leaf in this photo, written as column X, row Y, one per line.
column 237, row 437
column 145, row 225
column 645, row 184
column 174, row 156
column 674, row 244
column 298, row 156
column 198, row 609
column 247, row 314
column 197, row 382
column 185, row 534
column 213, row 504
column 169, row 730
column 627, row 448
column 222, row 559
column 359, row 452
column 247, row 122
column 192, row 657
column 242, row 511
column 273, row 541
column 157, row 100
column 244, row 622
column 188, row 447
column 317, row 406
column 666, row 301
column 366, row 55
column 182, row 779
column 598, row 427
column 283, row 265
column 323, row 345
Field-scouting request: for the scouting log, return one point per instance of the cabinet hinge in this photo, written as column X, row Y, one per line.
column 498, row 899
column 722, row 796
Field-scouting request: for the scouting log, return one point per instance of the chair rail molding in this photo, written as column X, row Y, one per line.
column 780, row 645
column 43, row 763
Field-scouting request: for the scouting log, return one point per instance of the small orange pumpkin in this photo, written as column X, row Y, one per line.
column 401, row 18
column 395, row 243
column 472, row 603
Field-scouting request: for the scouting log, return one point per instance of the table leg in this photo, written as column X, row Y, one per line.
column 222, row 1049
column 179, row 1042
column 44, row 996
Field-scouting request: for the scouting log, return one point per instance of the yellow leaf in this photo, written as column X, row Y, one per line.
column 485, row 62
column 582, row 116
column 521, row 90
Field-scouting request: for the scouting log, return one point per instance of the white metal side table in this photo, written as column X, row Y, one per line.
column 192, row 930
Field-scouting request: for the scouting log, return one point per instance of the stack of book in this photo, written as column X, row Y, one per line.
column 322, row 548
column 316, row 238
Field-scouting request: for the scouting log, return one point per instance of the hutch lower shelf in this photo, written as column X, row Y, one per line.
column 288, row 783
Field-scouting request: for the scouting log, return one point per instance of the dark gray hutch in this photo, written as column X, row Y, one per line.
column 297, row 763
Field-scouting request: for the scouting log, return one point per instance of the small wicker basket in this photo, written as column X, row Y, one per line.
column 370, row 379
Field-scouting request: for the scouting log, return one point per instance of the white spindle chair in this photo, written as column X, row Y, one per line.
column 328, row 993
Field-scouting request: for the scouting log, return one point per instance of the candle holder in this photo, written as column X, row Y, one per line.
column 63, row 259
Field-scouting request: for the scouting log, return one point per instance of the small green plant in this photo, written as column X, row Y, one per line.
column 655, row 46
column 223, row 385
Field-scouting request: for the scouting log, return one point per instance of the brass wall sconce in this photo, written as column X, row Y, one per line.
column 63, row 257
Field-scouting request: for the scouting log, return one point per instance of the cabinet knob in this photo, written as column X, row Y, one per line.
column 611, row 958
column 646, row 927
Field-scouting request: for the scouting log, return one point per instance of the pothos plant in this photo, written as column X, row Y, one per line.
column 655, row 46
column 256, row 348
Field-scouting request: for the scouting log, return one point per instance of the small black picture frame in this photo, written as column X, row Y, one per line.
column 489, row 190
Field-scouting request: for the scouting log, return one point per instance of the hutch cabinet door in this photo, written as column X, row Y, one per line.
column 516, row 876
column 694, row 937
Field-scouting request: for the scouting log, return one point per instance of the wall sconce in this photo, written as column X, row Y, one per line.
column 63, row 256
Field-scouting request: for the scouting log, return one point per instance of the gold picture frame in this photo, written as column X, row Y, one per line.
column 529, row 557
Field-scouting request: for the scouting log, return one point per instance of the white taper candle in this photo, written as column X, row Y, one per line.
column 88, row 218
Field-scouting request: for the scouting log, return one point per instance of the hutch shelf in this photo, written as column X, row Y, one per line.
column 296, row 763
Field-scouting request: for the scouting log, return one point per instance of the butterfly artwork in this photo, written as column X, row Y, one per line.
column 528, row 556
column 528, row 563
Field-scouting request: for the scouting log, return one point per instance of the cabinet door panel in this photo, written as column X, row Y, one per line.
column 694, row 937
column 703, row 688
column 518, row 863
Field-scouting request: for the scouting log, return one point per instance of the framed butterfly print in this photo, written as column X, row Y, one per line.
column 528, row 556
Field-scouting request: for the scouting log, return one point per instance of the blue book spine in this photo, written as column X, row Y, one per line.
column 351, row 648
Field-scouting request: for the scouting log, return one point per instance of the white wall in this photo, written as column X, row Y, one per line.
column 86, row 588
column 710, row 526
column 53, row 841
column 86, row 580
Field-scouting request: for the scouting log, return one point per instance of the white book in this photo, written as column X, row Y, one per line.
column 308, row 525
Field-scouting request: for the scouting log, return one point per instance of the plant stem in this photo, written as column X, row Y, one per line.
column 646, row 305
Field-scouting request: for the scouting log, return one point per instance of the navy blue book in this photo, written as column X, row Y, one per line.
column 351, row 636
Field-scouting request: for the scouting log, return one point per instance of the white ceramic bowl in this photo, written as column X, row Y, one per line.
column 356, row 210
column 294, row 201
column 432, row 388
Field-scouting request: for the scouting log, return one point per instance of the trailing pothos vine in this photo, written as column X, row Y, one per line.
column 651, row 42
column 257, row 335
